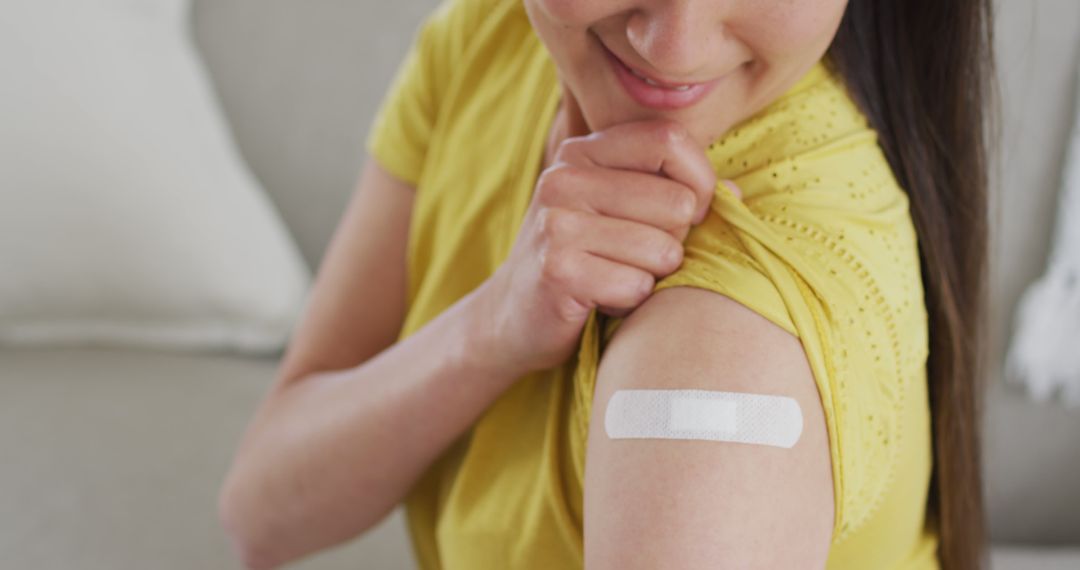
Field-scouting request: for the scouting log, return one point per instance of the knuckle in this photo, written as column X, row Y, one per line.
column 553, row 182
column 543, row 223
column 557, row 223
column 685, row 206
column 645, row 285
column 564, row 223
column 671, row 133
column 671, row 255
column 570, row 148
column 556, row 266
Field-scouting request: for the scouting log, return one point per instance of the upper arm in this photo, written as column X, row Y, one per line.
column 696, row 504
column 357, row 302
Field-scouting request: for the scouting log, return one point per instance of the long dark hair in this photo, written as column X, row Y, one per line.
column 924, row 74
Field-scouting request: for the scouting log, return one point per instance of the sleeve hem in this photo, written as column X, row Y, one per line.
column 701, row 280
column 395, row 163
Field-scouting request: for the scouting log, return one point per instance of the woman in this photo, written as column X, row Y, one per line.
column 571, row 198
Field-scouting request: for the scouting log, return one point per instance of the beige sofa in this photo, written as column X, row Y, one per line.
column 111, row 459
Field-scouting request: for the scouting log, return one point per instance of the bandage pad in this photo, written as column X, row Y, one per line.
column 704, row 414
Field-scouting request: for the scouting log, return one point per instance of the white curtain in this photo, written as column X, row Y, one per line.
column 1044, row 354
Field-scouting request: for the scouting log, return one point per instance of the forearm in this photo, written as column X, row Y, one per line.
column 331, row 455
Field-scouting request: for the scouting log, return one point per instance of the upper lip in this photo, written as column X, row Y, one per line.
column 659, row 81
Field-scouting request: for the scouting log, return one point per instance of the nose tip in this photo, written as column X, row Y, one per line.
column 676, row 43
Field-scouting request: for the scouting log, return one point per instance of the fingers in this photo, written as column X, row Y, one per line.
column 617, row 205
column 630, row 243
column 657, row 146
column 613, row 287
column 625, row 194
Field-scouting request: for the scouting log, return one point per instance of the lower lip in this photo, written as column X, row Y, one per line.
column 657, row 97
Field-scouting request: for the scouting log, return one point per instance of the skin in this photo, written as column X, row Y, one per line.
column 607, row 216
column 759, row 47
column 696, row 504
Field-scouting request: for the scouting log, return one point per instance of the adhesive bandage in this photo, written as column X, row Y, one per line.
column 704, row 414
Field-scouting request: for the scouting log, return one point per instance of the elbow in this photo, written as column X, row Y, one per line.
column 247, row 542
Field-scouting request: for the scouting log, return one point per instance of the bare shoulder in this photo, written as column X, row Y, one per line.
column 705, row 504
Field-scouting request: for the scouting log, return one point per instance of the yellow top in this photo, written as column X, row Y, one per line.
column 822, row 244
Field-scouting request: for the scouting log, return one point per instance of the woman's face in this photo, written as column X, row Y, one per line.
column 739, row 55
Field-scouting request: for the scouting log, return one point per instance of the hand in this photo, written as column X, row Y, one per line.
column 606, row 219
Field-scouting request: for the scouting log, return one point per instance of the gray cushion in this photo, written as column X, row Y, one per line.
column 112, row 460
column 300, row 82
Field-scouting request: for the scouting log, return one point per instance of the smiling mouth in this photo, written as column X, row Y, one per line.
column 653, row 93
column 683, row 87
column 653, row 82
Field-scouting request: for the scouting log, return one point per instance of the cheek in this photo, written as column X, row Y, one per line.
column 786, row 27
column 575, row 13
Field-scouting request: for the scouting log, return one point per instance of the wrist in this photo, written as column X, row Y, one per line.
column 479, row 349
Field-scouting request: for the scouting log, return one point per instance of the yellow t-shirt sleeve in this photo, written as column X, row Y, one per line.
column 402, row 127
column 735, row 253
column 717, row 258
column 846, row 299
